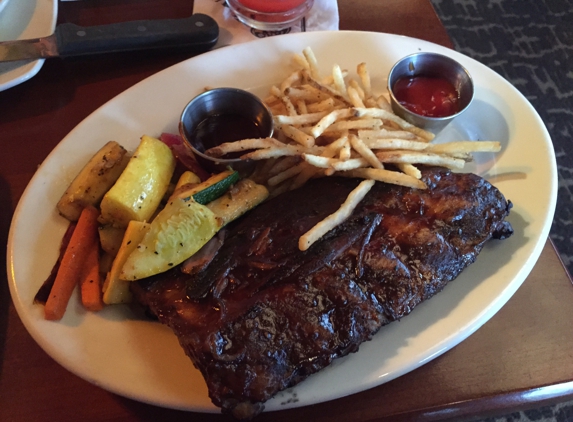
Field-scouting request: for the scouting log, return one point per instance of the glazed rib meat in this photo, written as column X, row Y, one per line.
column 263, row 316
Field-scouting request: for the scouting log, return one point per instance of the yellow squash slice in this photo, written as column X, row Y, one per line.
column 116, row 290
column 140, row 188
column 176, row 233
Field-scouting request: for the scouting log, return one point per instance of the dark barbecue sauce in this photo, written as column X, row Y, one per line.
column 220, row 128
column 427, row 95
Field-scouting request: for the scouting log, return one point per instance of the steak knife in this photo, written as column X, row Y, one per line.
column 197, row 33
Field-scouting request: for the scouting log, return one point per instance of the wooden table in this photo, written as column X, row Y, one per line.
column 522, row 357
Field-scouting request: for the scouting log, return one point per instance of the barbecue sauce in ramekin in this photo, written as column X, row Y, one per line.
column 220, row 128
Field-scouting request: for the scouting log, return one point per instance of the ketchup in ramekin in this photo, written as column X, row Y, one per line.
column 427, row 95
column 429, row 90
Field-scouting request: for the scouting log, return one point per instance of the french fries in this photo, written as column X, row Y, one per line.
column 301, row 120
column 337, row 124
column 333, row 220
column 242, row 145
column 387, row 176
column 329, row 119
column 415, row 157
column 365, row 79
column 312, row 62
column 297, row 135
column 366, row 153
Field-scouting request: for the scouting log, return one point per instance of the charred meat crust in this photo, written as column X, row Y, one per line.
column 263, row 315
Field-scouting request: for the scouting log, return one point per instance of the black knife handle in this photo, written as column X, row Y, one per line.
column 198, row 32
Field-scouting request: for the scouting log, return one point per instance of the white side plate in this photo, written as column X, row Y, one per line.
column 22, row 20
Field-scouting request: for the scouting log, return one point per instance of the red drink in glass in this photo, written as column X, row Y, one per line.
column 270, row 15
column 272, row 6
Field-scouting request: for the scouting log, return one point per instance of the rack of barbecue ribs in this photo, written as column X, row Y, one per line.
column 262, row 315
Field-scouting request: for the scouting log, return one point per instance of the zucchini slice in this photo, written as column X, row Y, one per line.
column 212, row 188
column 94, row 180
column 242, row 197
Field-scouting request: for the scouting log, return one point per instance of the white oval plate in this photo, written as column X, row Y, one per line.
column 142, row 360
column 22, row 20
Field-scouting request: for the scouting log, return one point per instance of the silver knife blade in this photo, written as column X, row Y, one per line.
column 198, row 33
column 28, row 49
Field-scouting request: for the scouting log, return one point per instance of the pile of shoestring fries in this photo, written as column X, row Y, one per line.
column 337, row 125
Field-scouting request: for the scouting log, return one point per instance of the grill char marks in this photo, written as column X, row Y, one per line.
column 272, row 315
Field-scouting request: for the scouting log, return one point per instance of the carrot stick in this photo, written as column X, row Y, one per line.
column 72, row 263
column 90, row 282
column 44, row 292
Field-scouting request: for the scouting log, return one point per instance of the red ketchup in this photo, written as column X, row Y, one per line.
column 427, row 95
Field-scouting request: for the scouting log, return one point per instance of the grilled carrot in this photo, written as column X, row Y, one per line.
column 73, row 261
column 90, row 282
column 44, row 291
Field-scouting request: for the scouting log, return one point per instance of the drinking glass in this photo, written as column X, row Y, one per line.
column 270, row 15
